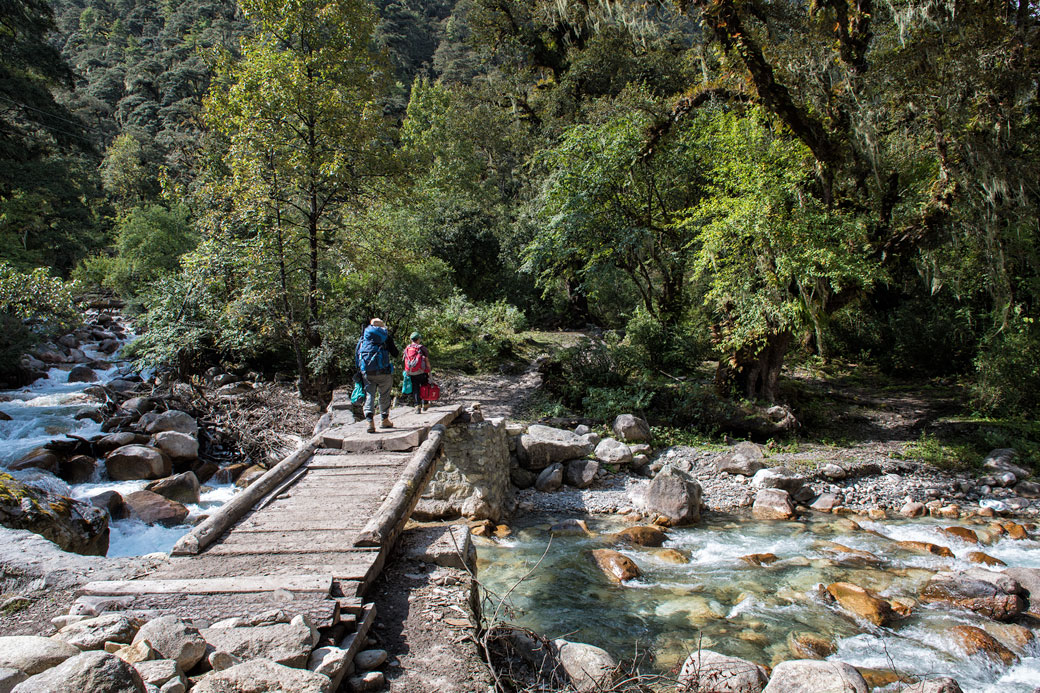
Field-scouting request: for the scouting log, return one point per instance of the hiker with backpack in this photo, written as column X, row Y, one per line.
column 417, row 367
column 372, row 358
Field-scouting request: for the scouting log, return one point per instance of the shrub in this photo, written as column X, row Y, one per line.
column 470, row 336
column 32, row 304
column 1008, row 370
column 573, row 372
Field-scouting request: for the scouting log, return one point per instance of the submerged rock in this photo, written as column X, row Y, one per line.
column 71, row 524
column 615, row 565
column 943, row 684
column 810, row 646
column 994, row 595
column 975, row 640
column 925, row 547
column 642, row 536
column 153, row 509
column 862, row 602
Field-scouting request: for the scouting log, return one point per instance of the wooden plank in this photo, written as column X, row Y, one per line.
column 277, row 544
column 355, row 642
column 252, row 583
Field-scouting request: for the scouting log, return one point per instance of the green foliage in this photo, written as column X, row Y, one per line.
column 605, row 403
column 149, row 243
column 1009, row 370
column 32, row 304
column 571, row 373
column 470, row 336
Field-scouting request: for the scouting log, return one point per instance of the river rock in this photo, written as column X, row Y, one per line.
column 78, row 469
column 814, row 676
column 631, row 429
column 863, row 603
column 943, row 684
column 93, row 633
column 183, row 488
column 112, row 502
column 173, row 420
column 615, row 565
column 975, row 640
column 138, row 405
column 118, row 440
column 962, row 533
column 1004, row 460
column 913, row 509
column 581, row 473
column 137, row 462
column 178, row 446
column 611, row 451
column 589, row 668
column 370, row 659
column 31, row 654
column 1028, row 489
column 743, row 458
column 984, row 559
column 810, row 646
column 174, row 638
column 825, row 503
column 994, row 595
column 550, row 479
column 82, row 374
column 284, row 643
column 642, row 536
column 706, row 671
column 571, row 527
column 132, row 654
column 772, row 504
column 159, row 672
column 1029, row 579
column 262, row 676
column 153, row 509
column 98, row 672
column 40, row 458
column 522, row 478
column 925, row 547
column 778, row 477
column 542, row 446
column 71, row 524
column 674, row 495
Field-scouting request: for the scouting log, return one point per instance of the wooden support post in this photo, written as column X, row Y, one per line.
column 405, row 494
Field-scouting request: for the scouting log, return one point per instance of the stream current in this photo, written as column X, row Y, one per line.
column 45, row 411
column 716, row 600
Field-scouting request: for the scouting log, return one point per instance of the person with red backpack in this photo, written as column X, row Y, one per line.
column 417, row 367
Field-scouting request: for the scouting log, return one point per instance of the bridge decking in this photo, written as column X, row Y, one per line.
column 300, row 548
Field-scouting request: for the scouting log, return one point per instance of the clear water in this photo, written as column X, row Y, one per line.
column 715, row 600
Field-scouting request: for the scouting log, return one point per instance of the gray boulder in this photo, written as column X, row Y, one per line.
column 581, row 473
column 179, row 446
column 9, row 678
column 589, row 668
column 31, row 654
column 1029, row 579
column 262, row 676
column 137, row 462
column 159, row 672
column 550, row 479
column 173, row 420
column 82, row 374
column 182, row 488
column 283, row 643
column 994, row 595
column 174, row 638
column 778, row 477
column 1028, row 489
column 631, row 429
column 93, row 633
column 815, row 676
column 743, row 458
column 542, row 446
column 706, row 671
column 673, row 494
column 1004, row 460
column 97, row 672
column 611, row 451
column 772, row 504
column 118, row 440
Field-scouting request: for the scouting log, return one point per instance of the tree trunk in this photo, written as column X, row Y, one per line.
column 754, row 372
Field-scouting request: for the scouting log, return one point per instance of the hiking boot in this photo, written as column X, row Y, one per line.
column 425, row 406
column 371, row 425
column 386, row 423
column 418, row 409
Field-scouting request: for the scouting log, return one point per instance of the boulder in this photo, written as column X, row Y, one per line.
column 743, row 458
column 815, row 676
column 283, row 643
column 183, row 488
column 173, row 420
column 158, row 672
column 542, row 446
column 862, row 603
column 642, row 536
column 98, row 672
column 706, row 671
column 611, row 451
column 82, row 374
column 550, row 479
column 810, row 645
column 153, row 509
column 89, row 414
column 581, row 473
column 40, row 458
column 121, row 385
column 772, row 504
column 589, row 668
column 962, row 533
column 1004, row 460
column 825, row 503
column 615, row 565
column 250, row 475
column 78, row 469
column 31, row 654
column 778, row 477
column 138, row 405
column 674, row 495
column 984, row 559
column 9, row 678
column 943, row 684
column 178, row 446
column 571, row 527
column 262, row 676
column 137, row 462
column 994, row 595
column 631, row 429
column 333, row 662
column 112, row 502
column 118, row 440
column 1028, row 489
column 833, row 472
column 71, row 524
column 93, row 633
column 925, row 547
column 173, row 638
column 522, row 478
column 1029, row 579
column 913, row 509
column 975, row 641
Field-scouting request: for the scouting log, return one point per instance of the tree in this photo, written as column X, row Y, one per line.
column 304, row 144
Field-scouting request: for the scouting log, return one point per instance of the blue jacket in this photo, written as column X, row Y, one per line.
column 374, row 350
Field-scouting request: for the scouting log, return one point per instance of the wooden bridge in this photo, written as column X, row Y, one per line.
column 308, row 537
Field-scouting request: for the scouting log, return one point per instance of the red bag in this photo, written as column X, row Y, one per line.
column 430, row 392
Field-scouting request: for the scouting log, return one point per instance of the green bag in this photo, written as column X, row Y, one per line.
column 358, row 394
column 406, row 385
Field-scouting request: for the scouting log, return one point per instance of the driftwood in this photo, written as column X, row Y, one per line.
column 405, row 494
column 206, row 533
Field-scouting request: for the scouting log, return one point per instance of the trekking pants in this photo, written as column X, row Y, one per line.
column 418, row 380
column 380, row 384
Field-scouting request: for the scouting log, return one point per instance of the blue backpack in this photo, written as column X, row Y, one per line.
column 371, row 352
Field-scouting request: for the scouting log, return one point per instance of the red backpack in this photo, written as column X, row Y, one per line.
column 415, row 359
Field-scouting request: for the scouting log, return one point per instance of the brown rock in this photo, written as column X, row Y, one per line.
column 963, row 533
column 994, row 595
column 78, row 469
column 810, row 646
column 925, row 547
column 230, row 473
column 615, row 565
column 642, row 535
column 250, row 475
column 862, row 602
column 153, row 509
column 974, row 640
column 1014, row 530
column 40, row 458
column 879, row 678
column 760, row 558
column 137, row 462
column 984, row 559
column 772, row 504
column 672, row 556
column 848, row 555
